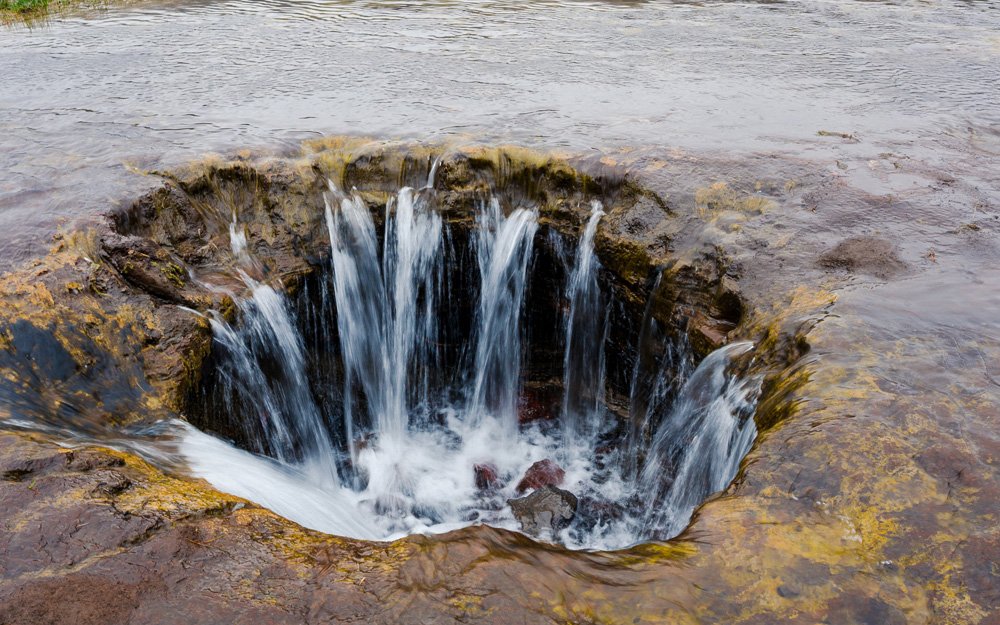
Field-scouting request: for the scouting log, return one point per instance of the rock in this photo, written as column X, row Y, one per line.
column 538, row 404
column 147, row 267
column 707, row 333
column 487, row 477
column 548, row 509
column 864, row 254
column 542, row 473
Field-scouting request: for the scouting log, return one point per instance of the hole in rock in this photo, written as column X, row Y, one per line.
column 438, row 370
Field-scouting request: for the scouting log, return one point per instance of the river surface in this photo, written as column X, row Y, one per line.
column 86, row 95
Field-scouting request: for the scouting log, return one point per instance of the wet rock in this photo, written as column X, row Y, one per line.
column 542, row 473
column 538, row 403
column 88, row 460
column 147, row 267
column 708, row 333
column 548, row 509
column 868, row 255
column 112, row 483
column 487, row 477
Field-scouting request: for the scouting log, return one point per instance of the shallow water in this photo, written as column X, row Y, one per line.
column 154, row 84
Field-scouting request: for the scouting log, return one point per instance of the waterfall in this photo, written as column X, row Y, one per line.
column 386, row 311
column 264, row 365
column 410, row 424
column 700, row 443
column 662, row 365
column 586, row 328
column 503, row 248
column 360, row 304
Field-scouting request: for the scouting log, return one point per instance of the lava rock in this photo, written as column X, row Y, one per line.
column 548, row 509
column 487, row 477
column 148, row 267
column 542, row 473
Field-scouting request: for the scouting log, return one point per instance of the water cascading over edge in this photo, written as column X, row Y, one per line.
column 409, row 437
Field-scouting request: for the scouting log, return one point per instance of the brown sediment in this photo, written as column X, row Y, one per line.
column 867, row 498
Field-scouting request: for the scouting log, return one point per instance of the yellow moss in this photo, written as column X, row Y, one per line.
column 953, row 606
column 172, row 272
column 83, row 243
column 337, row 143
column 154, row 490
column 469, row 605
column 655, row 553
column 721, row 197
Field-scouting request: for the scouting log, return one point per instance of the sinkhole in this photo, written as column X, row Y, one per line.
column 466, row 355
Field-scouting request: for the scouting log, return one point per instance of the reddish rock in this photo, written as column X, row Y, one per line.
column 707, row 333
column 487, row 476
column 542, row 473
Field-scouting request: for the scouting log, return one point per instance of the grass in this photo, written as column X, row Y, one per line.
column 24, row 6
column 34, row 12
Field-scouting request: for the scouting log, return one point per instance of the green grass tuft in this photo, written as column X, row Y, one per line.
column 23, row 6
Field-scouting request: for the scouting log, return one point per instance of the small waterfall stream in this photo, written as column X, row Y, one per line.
column 394, row 447
column 586, row 328
column 503, row 248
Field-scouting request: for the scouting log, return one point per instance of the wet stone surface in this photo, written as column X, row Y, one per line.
column 545, row 511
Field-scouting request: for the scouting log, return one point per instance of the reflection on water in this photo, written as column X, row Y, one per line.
column 161, row 83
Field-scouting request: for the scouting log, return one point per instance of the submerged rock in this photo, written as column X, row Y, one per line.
column 542, row 473
column 547, row 509
column 864, row 254
column 486, row 476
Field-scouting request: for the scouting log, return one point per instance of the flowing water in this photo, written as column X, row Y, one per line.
column 88, row 97
column 412, row 427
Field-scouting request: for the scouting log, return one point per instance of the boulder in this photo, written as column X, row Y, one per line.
column 542, row 473
column 548, row 509
column 487, row 477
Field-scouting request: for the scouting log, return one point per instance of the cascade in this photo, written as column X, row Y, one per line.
column 369, row 422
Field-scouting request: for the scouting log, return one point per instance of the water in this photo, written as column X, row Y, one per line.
column 503, row 247
column 586, row 327
column 385, row 310
column 263, row 361
column 80, row 103
column 396, row 449
column 684, row 94
column 701, row 441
